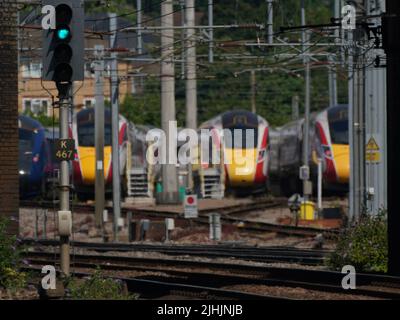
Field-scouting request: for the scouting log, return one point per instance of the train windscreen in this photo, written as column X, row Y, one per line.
column 338, row 118
column 240, row 130
column 86, row 134
column 85, row 123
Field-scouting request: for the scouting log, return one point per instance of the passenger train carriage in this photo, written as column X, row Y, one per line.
column 244, row 139
column 331, row 145
column 328, row 141
column 84, row 168
column 290, row 155
column 34, row 158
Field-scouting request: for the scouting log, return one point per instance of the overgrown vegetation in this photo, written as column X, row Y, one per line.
column 363, row 246
column 97, row 287
column 10, row 276
column 44, row 120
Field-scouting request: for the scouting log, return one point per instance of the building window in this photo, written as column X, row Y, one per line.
column 36, row 106
column 89, row 103
column 89, row 71
column 26, row 105
column 31, row 70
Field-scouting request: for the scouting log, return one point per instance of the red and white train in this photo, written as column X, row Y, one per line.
column 84, row 166
column 243, row 136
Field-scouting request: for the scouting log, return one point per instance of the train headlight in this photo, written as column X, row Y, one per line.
column 21, row 172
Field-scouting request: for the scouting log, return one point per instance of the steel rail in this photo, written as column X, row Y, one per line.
column 262, row 254
column 155, row 288
column 373, row 285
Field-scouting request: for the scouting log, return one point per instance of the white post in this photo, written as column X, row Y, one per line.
column 319, row 185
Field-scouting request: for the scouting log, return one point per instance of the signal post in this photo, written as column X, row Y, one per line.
column 62, row 58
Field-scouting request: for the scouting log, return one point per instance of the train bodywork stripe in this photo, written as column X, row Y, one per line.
column 241, row 166
column 330, row 171
column 260, row 176
column 342, row 161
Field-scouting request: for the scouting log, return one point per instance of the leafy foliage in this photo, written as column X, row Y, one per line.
column 97, row 287
column 144, row 108
column 363, row 246
column 120, row 7
column 10, row 276
column 43, row 119
column 218, row 88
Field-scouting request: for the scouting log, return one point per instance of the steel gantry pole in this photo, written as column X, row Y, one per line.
column 65, row 104
column 270, row 21
column 139, row 44
column 351, row 133
column 211, row 31
column 358, row 133
column 191, row 82
column 114, row 83
column 253, row 90
column 307, row 190
column 183, row 35
column 375, row 121
column 295, row 107
column 169, row 194
column 99, row 136
column 332, row 81
column 392, row 48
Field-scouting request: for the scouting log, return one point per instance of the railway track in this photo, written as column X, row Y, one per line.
column 216, row 276
column 159, row 289
column 260, row 254
column 226, row 217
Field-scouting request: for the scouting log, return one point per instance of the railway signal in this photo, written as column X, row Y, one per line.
column 63, row 47
column 63, row 61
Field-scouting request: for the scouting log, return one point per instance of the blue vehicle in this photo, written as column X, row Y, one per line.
column 34, row 159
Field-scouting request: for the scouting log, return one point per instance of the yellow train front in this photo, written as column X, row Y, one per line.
column 243, row 138
column 331, row 145
column 84, row 167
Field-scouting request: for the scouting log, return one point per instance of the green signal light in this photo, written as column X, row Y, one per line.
column 63, row 33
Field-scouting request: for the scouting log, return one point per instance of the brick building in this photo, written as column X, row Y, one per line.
column 9, row 114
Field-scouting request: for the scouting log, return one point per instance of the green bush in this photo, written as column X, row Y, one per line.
column 363, row 246
column 97, row 287
column 10, row 277
column 43, row 119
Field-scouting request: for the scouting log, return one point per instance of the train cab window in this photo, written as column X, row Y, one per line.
column 244, row 138
column 238, row 127
column 86, row 135
column 339, row 126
